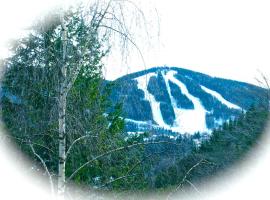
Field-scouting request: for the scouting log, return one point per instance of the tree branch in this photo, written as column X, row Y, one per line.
column 129, row 39
column 192, row 185
column 44, row 166
column 127, row 174
column 185, row 178
column 103, row 15
column 115, row 150
column 76, row 141
column 33, row 143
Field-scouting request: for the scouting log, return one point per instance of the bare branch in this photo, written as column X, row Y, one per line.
column 103, row 15
column 33, row 143
column 185, row 177
column 117, row 179
column 115, row 150
column 127, row 174
column 264, row 82
column 129, row 39
column 192, row 185
column 44, row 166
column 70, row 82
column 76, row 141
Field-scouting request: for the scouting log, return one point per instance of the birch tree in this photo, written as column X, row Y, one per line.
column 51, row 59
column 101, row 15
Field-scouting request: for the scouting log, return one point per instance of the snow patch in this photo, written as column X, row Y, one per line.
column 220, row 98
column 218, row 122
column 145, row 123
column 155, row 106
column 187, row 120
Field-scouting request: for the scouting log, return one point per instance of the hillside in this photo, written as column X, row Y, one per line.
column 181, row 101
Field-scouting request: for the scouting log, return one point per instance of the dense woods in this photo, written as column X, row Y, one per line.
column 58, row 69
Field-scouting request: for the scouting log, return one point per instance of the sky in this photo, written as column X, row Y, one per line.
column 228, row 39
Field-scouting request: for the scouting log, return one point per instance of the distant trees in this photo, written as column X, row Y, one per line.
column 227, row 145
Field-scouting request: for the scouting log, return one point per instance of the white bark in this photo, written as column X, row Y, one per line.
column 62, row 115
column 45, row 167
column 66, row 81
column 76, row 141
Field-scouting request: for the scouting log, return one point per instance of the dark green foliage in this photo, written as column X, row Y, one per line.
column 236, row 137
column 167, row 113
column 27, row 79
column 134, row 105
column 166, row 165
column 227, row 146
column 157, row 87
column 137, row 108
column 30, row 107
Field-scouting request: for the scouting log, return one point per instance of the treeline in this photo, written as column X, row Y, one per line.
column 227, row 145
column 146, row 163
column 183, row 161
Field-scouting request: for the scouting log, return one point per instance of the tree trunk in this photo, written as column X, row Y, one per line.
column 62, row 115
column 62, row 144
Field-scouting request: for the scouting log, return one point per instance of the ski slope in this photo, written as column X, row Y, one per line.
column 220, row 98
column 187, row 120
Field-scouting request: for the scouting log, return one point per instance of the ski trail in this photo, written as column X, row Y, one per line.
column 220, row 98
column 187, row 120
column 155, row 106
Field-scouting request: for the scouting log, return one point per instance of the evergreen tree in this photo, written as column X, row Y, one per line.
column 59, row 117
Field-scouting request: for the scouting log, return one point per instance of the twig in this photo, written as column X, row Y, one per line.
column 128, row 172
column 185, row 178
column 192, row 185
column 77, row 140
column 33, row 143
column 112, row 151
column 45, row 167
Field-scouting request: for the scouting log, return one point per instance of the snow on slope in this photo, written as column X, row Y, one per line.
column 155, row 106
column 187, row 120
column 220, row 98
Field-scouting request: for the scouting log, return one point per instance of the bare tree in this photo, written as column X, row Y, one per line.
column 102, row 15
column 263, row 81
column 75, row 35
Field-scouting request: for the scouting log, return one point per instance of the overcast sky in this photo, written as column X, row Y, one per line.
column 229, row 39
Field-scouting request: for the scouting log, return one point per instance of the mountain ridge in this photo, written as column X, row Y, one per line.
column 155, row 97
column 165, row 67
column 175, row 100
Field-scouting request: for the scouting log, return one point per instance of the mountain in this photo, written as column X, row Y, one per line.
column 173, row 101
column 177, row 101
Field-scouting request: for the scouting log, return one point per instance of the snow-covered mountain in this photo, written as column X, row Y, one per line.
column 177, row 100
